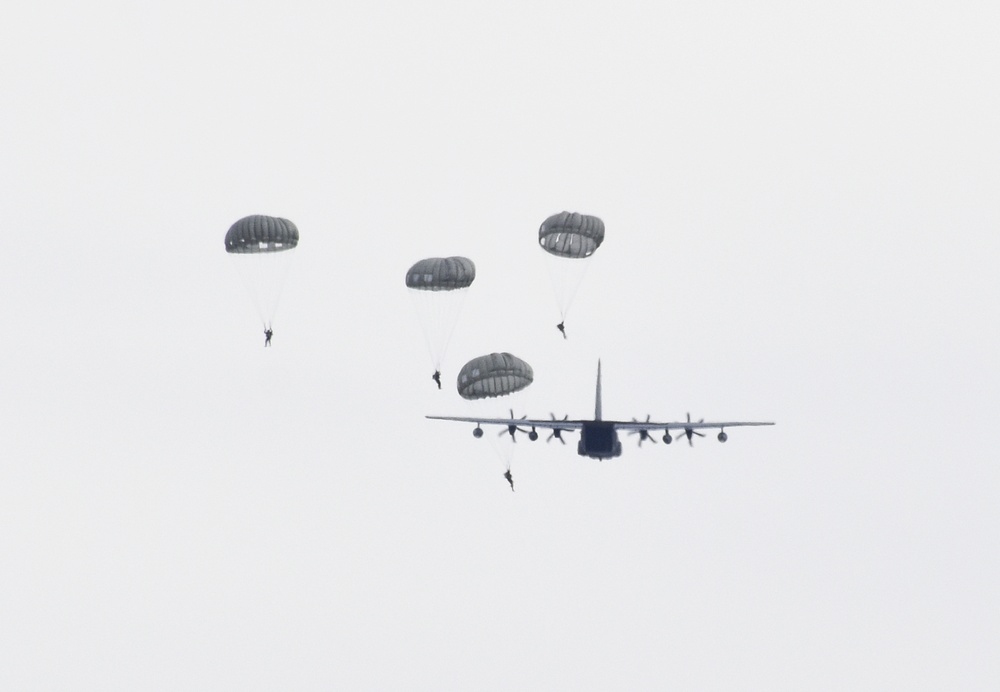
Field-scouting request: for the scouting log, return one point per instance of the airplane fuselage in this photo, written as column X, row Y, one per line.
column 599, row 440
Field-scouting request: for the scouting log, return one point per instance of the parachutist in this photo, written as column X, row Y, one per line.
column 510, row 479
column 562, row 328
column 267, row 336
column 438, row 286
column 574, row 237
column 259, row 246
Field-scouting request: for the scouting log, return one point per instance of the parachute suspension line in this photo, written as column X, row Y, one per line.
column 260, row 282
column 264, row 276
column 248, row 277
column 435, row 360
column 503, row 446
column 450, row 328
column 420, row 305
column 285, row 263
column 566, row 276
column 438, row 313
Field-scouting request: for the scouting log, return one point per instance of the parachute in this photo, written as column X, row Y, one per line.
column 441, row 274
column 439, row 286
column 261, row 234
column 496, row 374
column 569, row 238
column 571, row 235
column 261, row 248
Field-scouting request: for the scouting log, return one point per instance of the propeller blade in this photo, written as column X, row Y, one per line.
column 643, row 434
column 557, row 432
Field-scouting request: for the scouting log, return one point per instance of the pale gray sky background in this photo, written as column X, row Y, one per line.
column 801, row 210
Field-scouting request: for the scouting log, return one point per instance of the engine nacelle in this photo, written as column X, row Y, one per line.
column 667, row 439
column 477, row 433
column 723, row 437
column 533, row 435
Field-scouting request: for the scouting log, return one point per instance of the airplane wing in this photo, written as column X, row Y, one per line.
column 700, row 425
column 520, row 422
column 619, row 424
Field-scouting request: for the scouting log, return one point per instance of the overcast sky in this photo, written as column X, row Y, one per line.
column 801, row 212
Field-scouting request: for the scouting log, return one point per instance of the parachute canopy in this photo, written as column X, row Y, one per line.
column 571, row 235
column 496, row 374
column 441, row 274
column 259, row 234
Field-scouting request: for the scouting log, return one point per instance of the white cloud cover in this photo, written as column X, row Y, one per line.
column 801, row 212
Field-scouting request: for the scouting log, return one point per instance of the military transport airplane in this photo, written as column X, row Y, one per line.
column 598, row 437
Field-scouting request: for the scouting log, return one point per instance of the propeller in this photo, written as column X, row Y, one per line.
column 691, row 431
column 513, row 427
column 557, row 432
column 643, row 434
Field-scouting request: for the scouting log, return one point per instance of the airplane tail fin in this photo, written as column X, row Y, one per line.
column 597, row 405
